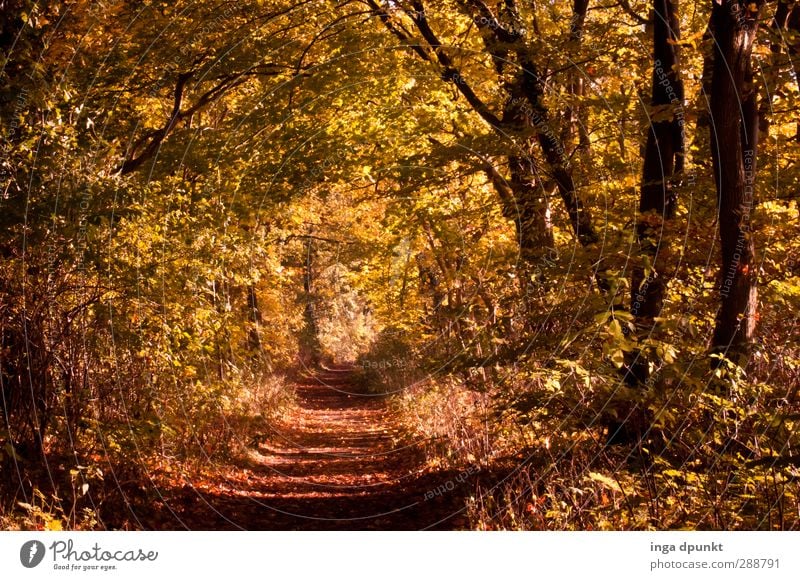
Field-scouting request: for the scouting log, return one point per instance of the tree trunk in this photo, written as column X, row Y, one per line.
column 734, row 138
column 501, row 36
column 254, row 336
column 553, row 149
column 575, row 118
column 527, row 205
column 793, row 25
column 531, row 211
column 663, row 158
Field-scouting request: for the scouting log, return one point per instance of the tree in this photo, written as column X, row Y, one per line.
column 663, row 161
column 509, row 46
column 575, row 117
column 734, row 148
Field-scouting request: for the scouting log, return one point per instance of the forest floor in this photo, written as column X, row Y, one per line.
column 341, row 461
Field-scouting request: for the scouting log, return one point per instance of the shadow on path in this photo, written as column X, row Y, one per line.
column 338, row 464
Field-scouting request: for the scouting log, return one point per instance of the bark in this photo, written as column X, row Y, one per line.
column 734, row 139
column 531, row 212
column 256, row 320
column 663, row 159
column 793, row 24
column 531, row 220
column 529, row 207
column 553, row 150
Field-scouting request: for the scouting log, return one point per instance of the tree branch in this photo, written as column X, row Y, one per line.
column 626, row 6
column 401, row 34
column 450, row 71
column 156, row 137
column 486, row 21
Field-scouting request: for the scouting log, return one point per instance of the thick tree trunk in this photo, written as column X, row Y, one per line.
column 793, row 25
column 734, row 138
column 663, row 158
column 531, row 211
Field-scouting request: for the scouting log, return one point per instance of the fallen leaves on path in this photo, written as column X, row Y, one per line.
column 340, row 462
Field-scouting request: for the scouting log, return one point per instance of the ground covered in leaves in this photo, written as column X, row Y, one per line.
column 340, row 462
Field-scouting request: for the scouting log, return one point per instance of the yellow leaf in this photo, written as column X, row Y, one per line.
column 605, row 480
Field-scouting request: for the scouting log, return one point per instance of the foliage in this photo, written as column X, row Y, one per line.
column 199, row 199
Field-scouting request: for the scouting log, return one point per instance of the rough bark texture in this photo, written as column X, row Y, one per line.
column 734, row 139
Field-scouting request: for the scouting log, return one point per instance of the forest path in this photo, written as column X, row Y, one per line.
column 340, row 462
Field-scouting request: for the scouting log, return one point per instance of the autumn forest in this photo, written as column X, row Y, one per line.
column 399, row 264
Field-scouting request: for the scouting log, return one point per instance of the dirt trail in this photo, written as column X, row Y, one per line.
column 339, row 464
